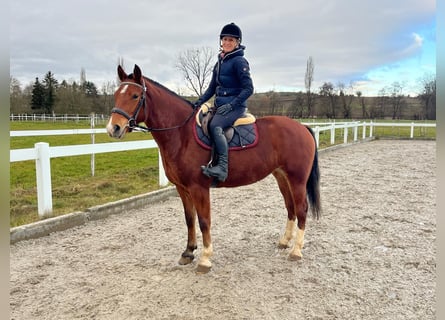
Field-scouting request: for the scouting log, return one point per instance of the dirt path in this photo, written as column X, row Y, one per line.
column 371, row 256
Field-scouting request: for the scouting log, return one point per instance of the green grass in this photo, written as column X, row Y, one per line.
column 118, row 175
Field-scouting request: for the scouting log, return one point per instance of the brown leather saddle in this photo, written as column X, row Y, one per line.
column 244, row 126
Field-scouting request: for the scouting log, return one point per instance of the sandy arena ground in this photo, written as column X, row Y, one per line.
column 370, row 256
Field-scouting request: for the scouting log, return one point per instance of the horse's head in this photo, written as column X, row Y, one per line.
column 129, row 103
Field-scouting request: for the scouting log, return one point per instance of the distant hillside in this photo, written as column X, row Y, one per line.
column 294, row 105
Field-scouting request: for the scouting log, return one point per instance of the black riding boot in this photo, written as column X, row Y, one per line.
column 220, row 170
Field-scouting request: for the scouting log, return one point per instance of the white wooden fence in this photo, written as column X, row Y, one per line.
column 98, row 118
column 42, row 152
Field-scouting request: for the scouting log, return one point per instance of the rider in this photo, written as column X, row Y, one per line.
column 232, row 85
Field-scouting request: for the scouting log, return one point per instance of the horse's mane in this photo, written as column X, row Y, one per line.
column 157, row 84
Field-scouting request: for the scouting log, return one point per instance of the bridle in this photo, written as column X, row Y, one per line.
column 132, row 125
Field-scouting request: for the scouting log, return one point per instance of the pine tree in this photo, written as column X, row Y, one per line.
column 38, row 95
column 50, row 85
column 90, row 89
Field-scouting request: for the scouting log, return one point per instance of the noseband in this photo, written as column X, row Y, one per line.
column 132, row 125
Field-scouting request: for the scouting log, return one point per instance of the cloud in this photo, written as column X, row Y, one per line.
column 418, row 40
column 345, row 38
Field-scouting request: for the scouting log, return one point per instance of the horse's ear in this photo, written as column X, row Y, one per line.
column 121, row 73
column 137, row 73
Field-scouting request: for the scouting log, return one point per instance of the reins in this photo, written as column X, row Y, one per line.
column 132, row 125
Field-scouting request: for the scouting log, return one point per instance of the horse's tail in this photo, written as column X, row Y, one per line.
column 313, row 184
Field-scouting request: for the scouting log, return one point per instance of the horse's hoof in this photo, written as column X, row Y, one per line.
column 185, row 260
column 282, row 246
column 202, row 269
column 294, row 257
column 204, row 266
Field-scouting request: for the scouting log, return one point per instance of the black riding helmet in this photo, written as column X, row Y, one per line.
column 231, row 30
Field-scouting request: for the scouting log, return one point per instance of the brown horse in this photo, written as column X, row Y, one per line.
column 286, row 149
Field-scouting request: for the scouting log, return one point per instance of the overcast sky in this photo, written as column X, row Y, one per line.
column 370, row 43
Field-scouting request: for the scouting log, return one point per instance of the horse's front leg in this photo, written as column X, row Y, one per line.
column 190, row 217
column 201, row 199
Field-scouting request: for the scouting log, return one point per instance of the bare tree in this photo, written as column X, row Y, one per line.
column 297, row 107
column 308, row 78
column 346, row 98
column 396, row 98
column 17, row 97
column 428, row 96
column 328, row 93
column 83, row 76
column 380, row 104
column 196, row 67
column 273, row 102
column 362, row 104
column 107, row 91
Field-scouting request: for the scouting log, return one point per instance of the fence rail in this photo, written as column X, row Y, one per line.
column 42, row 152
column 61, row 132
column 55, row 118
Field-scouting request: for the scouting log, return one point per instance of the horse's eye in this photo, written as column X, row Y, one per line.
column 135, row 96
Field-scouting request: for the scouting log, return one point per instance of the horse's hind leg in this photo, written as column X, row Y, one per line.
column 190, row 218
column 294, row 194
column 285, row 190
column 301, row 208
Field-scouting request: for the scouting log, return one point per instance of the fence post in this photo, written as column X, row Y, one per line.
column 93, row 157
column 412, row 130
column 364, row 131
column 332, row 133
column 371, row 126
column 345, row 140
column 163, row 181
column 355, row 131
column 317, row 135
column 43, row 175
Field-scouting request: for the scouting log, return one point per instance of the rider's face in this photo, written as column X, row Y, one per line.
column 228, row 44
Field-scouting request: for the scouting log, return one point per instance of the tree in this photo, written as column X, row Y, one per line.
column 196, row 67
column 327, row 91
column 361, row 99
column 16, row 100
column 308, row 78
column 297, row 107
column 381, row 101
column 396, row 98
column 274, row 103
column 38, row 96
column 90, row 89
column 346, row 99
column 91, row 97
column 428, row 96
column 50, row 86
column 83, row 76
column 14, row 86
column 107, row 91
column 70, row 98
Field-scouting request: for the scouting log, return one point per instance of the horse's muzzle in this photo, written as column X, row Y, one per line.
column 115, row 130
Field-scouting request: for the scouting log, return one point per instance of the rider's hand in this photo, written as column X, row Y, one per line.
column 224, row 109
column 197, row 104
